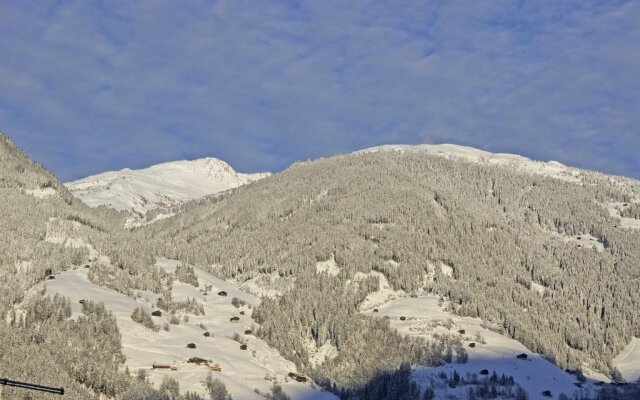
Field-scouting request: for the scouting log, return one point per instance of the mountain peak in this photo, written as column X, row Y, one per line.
column 445, row 149
column 553, row 169
column 161, row 185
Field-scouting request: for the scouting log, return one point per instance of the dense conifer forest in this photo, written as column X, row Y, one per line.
column 538, row 258
column 41, row 341
column 401, row 214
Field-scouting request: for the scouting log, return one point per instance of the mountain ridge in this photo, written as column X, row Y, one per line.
column 547, row 265
column 553, row 169
column 502, row 232
column 162, row 185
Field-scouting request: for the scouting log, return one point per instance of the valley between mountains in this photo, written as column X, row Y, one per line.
column 397, row 272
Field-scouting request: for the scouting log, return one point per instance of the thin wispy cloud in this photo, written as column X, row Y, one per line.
column 86, row 87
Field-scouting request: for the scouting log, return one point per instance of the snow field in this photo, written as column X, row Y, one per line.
column 551, row 169
column 424, row 317
column 242, row 370
column 163, row 185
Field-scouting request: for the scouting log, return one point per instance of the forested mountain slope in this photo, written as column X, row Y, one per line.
column 543, row 258
column 49, row 236
column 551, row 260
column 44, row 230
column 31, row 196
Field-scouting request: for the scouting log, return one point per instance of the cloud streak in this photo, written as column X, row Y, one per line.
column 85, row 87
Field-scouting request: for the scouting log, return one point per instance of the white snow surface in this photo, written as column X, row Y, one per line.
column 163, row 185
column 62, row 232
column 538, row 287
column 446, row 270
column 329, row 266
column 585, row 241
column 384, row 294
column 424, row 318
column 551, row 169
column 628, row 361
column 615, row 210
column 242, row 370
column 42, row 193
column 267, row 285
column 318, row 355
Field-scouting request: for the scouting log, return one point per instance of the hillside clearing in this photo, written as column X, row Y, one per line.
column 425, row 318
column 242, row 371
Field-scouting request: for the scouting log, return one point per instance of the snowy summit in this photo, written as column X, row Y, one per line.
column 551, row 169
column 163, row 185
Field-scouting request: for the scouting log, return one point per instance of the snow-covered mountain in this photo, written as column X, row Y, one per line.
column 552, row 169
column 163, row 185
column 461, row 263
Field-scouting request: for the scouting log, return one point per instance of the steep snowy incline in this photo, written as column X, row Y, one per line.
column 552, row 169
column 488, row 349
column 248, row 374
column 162, row 185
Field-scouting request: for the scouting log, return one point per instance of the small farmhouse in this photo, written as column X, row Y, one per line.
column 164, row 366
column 197, row 361
column 297, row 377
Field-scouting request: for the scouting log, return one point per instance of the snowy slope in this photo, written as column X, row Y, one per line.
column 552, row 169
column 162, row 185
column 243, row 371
column 628, row 361
column 425, row 317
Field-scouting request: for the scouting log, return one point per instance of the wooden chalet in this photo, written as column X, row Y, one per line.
column 157, row 313
column 234, row 319
column 164, row 366
column 297, row 377
column 198, row 361
column 222, row 293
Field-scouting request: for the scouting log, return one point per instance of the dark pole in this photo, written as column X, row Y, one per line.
column 31, row 386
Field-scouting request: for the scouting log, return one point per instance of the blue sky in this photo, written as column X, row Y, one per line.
column 92, row 86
